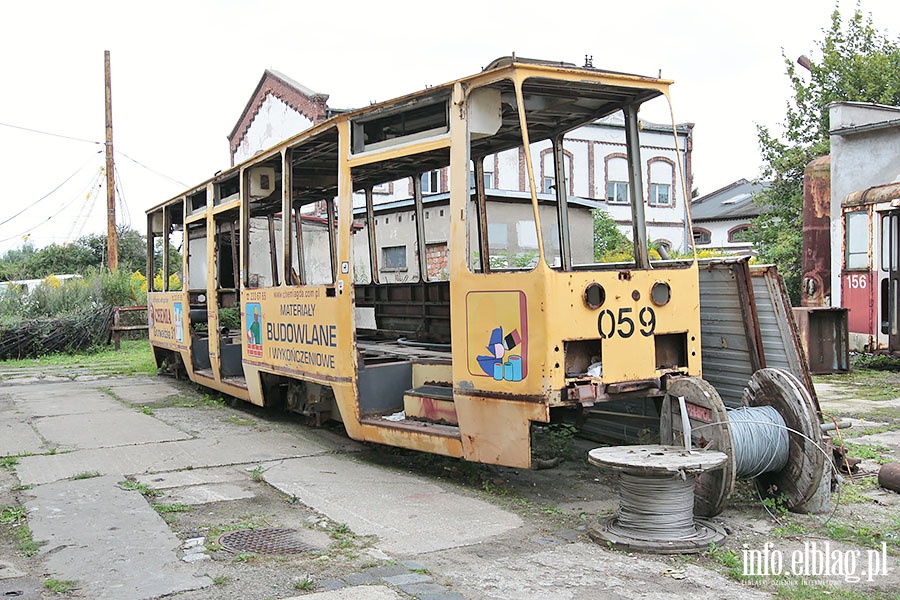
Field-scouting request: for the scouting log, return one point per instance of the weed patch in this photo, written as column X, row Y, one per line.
column 59, row 586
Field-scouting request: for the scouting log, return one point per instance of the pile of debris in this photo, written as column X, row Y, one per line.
column 66, row 333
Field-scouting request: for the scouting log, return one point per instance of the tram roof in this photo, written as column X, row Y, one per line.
column 558, row 97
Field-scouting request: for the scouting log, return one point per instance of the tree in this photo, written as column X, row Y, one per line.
column 857, row 63
column 86, row 253
column 607, row 237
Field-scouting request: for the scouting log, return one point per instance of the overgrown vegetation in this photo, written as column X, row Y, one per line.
column 855, row 62
column 59, row 586
column 14, row 517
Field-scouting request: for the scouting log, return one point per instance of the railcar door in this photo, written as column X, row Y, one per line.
column 889, row 296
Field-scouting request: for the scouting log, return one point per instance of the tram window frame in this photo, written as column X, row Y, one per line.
column 264, row 223
column 857, row 239
column 173, row 222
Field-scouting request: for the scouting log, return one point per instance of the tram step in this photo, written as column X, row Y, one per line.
column 429, row 372
column 448, row 431
column 432, row 403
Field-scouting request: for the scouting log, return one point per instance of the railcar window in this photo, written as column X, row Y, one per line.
column 857, row 242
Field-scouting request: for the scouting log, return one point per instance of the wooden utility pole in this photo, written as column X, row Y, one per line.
column 112, row 242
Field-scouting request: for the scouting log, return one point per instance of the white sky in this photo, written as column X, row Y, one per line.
column 183, row 71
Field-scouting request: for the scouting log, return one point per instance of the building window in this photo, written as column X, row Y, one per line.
column 659, row 194
column 702, row 237
column 739, row 234
column 548, row 185
column 857, row 242
column 617, row 192
column 616, row 176
column 664, row 244
column 431, row 182
column 393, row 258
column 488, row 179
column 662, row 181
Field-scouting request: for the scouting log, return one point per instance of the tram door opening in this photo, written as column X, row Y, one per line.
column 890, row 278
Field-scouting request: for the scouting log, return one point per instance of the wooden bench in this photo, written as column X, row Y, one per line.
column 117, row 329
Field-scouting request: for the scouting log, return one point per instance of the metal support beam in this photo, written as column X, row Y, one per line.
column 636, row 187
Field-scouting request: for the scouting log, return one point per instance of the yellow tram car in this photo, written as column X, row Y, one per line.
column 460, row 362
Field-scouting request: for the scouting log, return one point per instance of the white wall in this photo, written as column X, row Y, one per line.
column 858, row 161
column 274, row 123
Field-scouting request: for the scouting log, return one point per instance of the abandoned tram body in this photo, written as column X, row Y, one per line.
column 460, row 361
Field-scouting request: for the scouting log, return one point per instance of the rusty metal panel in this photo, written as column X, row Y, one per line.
column 816, row 268
column 780, row 339
column 823, row 334
column 730, row 355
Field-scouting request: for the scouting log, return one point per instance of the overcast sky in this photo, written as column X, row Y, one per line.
column 183, row 71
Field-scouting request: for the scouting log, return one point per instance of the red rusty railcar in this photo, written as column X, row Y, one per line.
column 870, row 268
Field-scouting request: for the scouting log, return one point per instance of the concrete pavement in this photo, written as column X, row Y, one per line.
column 85, row 437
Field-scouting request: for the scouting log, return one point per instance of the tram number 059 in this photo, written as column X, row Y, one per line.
column 609, row 325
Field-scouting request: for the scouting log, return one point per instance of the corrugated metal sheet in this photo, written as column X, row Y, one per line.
column 746, row 324
column 724, row 345
column 780, row 338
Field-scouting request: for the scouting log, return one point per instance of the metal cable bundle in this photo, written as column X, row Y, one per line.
column 656, row 508
column 761, row 443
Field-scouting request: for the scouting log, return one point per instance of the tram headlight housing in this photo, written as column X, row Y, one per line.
column 660, row 293
column 594, row 295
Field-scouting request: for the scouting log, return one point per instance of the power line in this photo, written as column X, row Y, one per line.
column 154, row 171
column 68, row 137
column 48, row 194
column 120, row 195
column 59, row 135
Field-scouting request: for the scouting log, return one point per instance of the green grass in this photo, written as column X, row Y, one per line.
column 729, row 559
column 866, row 383
column 256, row 474
column 87, row 475
column 799, row 589
column 142, row 488
column 175, row 507
column 9, row 462
column 874, row 452
column 14, row 517
column 59, row 586
column 305, row 584
column 241, row 421
column 135, row 358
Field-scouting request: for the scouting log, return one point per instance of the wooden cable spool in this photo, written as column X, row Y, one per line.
column 794, row 484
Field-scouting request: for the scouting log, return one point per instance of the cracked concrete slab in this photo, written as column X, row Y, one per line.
column 204, row 494
column 409, row 514
column 62, row 403
column 114, row 427
column 18, row 438
column 150, row 392
column 255, row 447
column 174, row 479
column 109, row 540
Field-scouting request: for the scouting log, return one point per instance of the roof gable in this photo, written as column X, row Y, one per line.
column 310, row 104
column 734, row 201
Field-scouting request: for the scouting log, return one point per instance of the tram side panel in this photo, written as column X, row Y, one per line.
column 168, row 322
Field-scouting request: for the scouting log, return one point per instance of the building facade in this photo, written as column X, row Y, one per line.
column 721, row 219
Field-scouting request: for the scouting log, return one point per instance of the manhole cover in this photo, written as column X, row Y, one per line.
column 266, row 541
